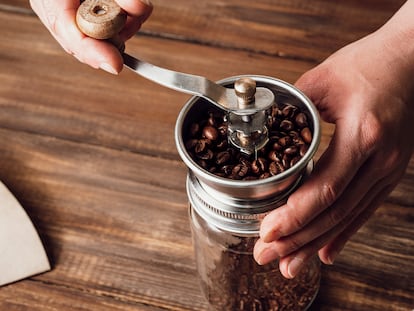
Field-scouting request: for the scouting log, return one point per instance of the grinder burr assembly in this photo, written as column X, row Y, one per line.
column 248, row 142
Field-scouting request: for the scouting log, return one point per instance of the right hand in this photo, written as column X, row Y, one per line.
column 59, row 18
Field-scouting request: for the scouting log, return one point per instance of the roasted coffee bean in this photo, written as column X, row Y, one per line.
column 247, row 178
column 227, row 169
column 274, row 155
column 191, row 143
column 294, row 135
column 286, row 161
column 294, row 160
column 212, row 120
column 306, row 135
column 303, row 149
column 287, row 125
column 259, row 166
column 201, row 145
column 222, row 129
column 210, row 132
column 292, row 150
column 246, row 162
column 275, row 168
column 207, row 154
column 298, row 141
column 194, row 129
column 285, row 141
column 276, row 146
column 222, row 144
column 301, row 120
column 223, row 157
column 240, row 170
column 203, row 163
column 265, row 175
column 289, row 111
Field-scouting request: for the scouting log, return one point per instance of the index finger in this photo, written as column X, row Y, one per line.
column 140, row 8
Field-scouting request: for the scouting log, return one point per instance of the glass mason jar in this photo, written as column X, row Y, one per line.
column 225, row 215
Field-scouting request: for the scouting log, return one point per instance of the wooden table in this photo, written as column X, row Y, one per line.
column 91, row 156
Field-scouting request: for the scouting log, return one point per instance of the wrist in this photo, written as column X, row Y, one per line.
column 396, row 40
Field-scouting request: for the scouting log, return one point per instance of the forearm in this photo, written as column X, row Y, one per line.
column 397, row 38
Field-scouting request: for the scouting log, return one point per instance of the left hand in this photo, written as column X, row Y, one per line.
column 366, row 89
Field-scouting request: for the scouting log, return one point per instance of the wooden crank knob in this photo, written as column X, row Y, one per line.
column 100, row 19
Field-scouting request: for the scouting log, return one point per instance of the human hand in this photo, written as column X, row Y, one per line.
column 59, row 18
column 366, row 89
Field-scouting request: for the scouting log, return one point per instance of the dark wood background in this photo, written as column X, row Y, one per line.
column 91, row 156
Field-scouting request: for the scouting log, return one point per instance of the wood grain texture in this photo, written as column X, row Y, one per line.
column 92, row 158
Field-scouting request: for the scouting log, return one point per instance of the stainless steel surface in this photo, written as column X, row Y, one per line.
column 224, row 98
column 240, row 217
column 228, row 190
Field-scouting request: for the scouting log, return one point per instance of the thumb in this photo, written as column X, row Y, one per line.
column 317, row 84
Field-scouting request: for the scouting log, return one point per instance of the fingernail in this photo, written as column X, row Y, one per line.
column 271, row 235
column 294, row 267
column 147, row 2
column 332, row 257
column 108, row 68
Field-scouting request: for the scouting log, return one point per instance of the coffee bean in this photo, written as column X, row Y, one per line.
column 259, row 166
column 222, row 129
column 212, row 120
column 222, row 144
column 306, row 135
column 223, row 157
column 303, row 149
column 227, row 169
column 285, row 141
column 240, row 170
column 265, row 175
column 287, row 125
column 247, row 178
column 191, row 143
column 205, row 155
column 301, row 120
column 273, row 155
column 210, row 132
column 286, row 161
column 275, row 168
column 201, row 145
column 292, row 150
column 203, row 164
column 289, row 110
column 194, row 129
column 294, row 160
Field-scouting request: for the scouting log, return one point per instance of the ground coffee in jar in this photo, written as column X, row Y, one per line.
column 231, row 191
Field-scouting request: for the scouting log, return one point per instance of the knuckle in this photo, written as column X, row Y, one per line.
column 294, row 219
column 289, row 245
column 329, row 192
column 372, row 132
